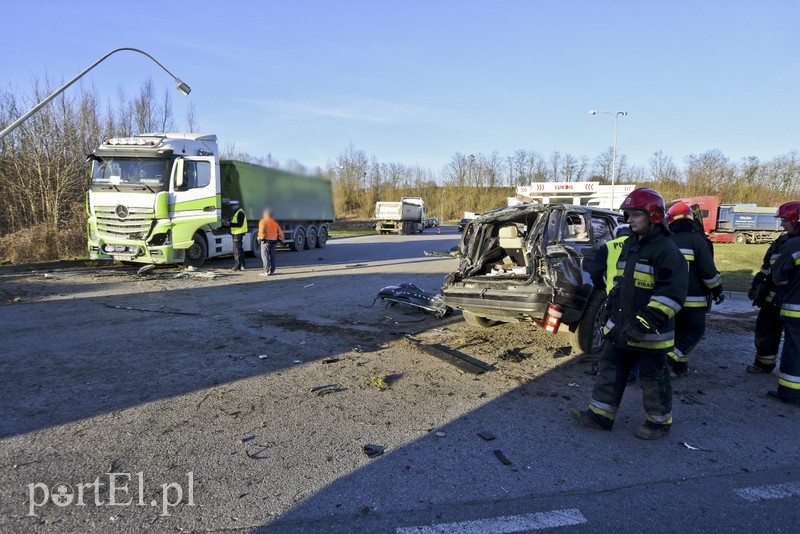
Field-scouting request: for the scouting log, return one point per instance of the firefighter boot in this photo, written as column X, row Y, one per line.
column 591, row 420
column 758, row 368
column 651, row 431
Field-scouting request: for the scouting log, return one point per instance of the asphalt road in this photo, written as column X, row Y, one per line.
column 207, row 386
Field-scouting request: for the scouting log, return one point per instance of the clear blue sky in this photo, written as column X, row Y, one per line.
column 414, row 81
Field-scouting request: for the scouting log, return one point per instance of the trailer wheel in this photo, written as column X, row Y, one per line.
column 195, row 255
column 587, row 337
column 740, row 238
column 322, row 237
column 255, row 245
column 299, row 242
column 311, row 238
column 477, row 320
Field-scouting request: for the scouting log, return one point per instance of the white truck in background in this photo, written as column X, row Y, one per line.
column 404, row 217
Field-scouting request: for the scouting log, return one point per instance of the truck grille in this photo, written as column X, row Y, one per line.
column 135, row 226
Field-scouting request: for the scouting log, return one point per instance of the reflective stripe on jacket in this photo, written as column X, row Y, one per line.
column 651, row 290
column 703, row 274
column 785, row 273
column 269, row 229
column 239, row 222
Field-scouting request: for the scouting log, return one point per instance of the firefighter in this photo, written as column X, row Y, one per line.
column 769, row 325
column 269, row 234
column 641, row 326
column 704, row 281
column 786, row 277
column 238, row 225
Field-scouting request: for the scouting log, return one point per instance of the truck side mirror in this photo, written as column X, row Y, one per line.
column 177, row 172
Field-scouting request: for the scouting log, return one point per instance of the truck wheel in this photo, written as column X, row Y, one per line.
column 195, row 255
column 477, row 320
column 740, row 238
column 299, row 242
column 322, row 237
column 587, row 337
column 421, row 228
column 311, row 238
column 255, row 246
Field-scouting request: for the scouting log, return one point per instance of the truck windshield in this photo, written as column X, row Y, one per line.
column 130, row 172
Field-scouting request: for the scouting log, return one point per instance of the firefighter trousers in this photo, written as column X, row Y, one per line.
column 690, row 325
column 612, row 378
column 769, row 327
column 789, row 378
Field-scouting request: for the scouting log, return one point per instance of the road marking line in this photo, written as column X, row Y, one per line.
column 772, row 491
column 502, row 525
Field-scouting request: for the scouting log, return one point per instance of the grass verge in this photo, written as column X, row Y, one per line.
column 738, row 264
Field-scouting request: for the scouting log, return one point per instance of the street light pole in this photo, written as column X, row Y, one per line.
column 182, row 87
column 616, row 115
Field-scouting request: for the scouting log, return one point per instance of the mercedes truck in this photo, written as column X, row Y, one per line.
column 162, row 198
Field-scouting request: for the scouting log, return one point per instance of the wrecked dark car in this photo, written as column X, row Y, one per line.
column 526, row 263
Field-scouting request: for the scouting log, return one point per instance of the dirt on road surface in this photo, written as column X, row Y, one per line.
column 254, row 398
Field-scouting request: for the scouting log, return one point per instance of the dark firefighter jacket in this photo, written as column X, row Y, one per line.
column 703, row 274
column 786, row 276
column 763, row 276
column 650, row 292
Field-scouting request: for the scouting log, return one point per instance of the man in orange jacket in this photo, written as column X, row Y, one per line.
column 269, row 234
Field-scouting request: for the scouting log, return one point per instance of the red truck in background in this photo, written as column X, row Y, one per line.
column 736, row 223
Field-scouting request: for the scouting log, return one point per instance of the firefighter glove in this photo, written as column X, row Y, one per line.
column 635, row 330
column 718, row 295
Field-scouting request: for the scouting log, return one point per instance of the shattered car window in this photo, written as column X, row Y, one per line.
column 575, row 228
column 601, row 229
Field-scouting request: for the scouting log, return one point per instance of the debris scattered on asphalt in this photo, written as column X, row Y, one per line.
column 147, row 269
column 129, row 308
column 488, row 436
column 357, row 349
column 566, row 397
column 562, row 352
column 262, row 356
column 373, row 451
column 692, row 448
column 770, row 449
column 574, row 385
column 414, row 297
column 194, row 273
column 379, row 382
column 441, row 434
column 689, row 399
column 514, row 355
column 242, row 441
column 16, row 300
column 326, row 389
column 297, row 361
column 459, row 359
column 502, row 457
column 308, row 285
column 331, row 360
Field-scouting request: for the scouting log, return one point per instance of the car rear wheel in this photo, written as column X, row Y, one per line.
column 587, row 337
column 477, row 320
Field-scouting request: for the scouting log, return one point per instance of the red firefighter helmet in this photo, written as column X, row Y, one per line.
column 679, row 210
column 789, row 210
column 645, row 200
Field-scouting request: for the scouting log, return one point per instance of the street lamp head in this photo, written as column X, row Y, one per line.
column 182, row 87
column 592, row 112
column 622, row 113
